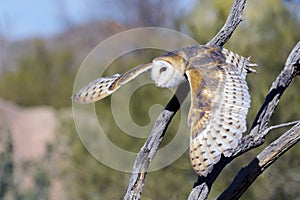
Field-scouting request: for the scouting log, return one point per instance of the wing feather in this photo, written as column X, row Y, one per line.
column 104, row 86
column 219, row 105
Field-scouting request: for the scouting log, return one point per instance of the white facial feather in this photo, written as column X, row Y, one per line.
column 165, row 75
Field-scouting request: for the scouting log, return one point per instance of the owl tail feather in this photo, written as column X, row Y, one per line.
column 206, row 150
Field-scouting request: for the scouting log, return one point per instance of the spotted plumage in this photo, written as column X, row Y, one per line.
column 104, row 86
column 219, row 97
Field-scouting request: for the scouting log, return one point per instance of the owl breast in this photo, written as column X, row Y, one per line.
column 165, row 75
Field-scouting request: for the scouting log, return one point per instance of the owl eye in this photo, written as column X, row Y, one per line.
column 162, row 69
column 164, row 74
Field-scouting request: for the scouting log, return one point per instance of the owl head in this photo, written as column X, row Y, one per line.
column 168, row 71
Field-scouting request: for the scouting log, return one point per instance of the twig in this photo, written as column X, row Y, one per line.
column 150, row 147
column 263, row 134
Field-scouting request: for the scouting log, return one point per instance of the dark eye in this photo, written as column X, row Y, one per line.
column 162, row 69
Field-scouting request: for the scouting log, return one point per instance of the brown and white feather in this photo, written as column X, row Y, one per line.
column 104, row 86
column 219, row 105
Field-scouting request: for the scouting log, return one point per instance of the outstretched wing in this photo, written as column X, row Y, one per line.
column 104, row 86
column 219, row 105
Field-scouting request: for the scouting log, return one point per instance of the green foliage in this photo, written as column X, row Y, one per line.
column 42, row 182
column 6, row 162
column 84, row 177
column 43, row 78
column 10, row 185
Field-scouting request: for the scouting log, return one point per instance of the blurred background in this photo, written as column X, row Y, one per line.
column 42, row 44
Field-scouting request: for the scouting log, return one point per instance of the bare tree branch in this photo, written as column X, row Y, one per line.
column 255, row 137
column 234, row 19
column 284, row 79
column 268, row 156
column 150, row 147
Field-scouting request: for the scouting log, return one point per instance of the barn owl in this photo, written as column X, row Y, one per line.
column 219, row 96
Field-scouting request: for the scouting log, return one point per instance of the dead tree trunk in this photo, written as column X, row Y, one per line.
column 255, row 138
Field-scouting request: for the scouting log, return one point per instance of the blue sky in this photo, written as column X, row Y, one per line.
column 27, row 18
column 21, row 19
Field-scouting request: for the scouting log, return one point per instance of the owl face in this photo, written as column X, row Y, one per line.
column 165, row 74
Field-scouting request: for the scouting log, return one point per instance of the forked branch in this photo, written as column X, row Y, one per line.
column 267, row 157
